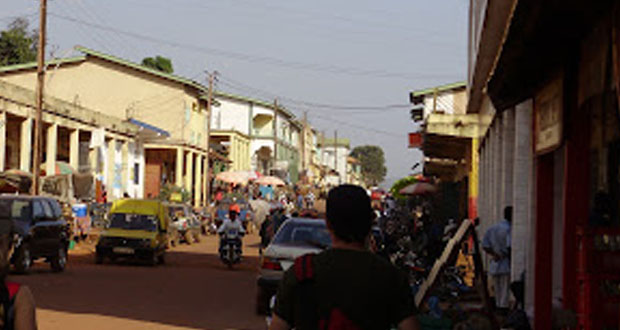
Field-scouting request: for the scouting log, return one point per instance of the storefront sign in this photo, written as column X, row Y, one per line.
column 415, row 140
column 548, row 117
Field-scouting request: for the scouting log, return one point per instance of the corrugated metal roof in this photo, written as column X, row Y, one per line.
column 439, row 89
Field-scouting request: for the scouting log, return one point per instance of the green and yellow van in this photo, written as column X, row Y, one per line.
column 135, row 229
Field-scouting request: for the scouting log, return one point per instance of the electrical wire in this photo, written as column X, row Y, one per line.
column 316, row 67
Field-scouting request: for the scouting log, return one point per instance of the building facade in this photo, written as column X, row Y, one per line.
column 546, row 72
column 153, row 99
column 110, row 149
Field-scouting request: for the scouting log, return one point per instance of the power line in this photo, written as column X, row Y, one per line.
column 252, row 58
column 231, row 83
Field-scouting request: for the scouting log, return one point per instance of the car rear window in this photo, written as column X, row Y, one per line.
column 15, row 209
column 132, row 221
column 315, row 234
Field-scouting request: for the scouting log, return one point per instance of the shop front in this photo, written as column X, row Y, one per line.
column 560, row 61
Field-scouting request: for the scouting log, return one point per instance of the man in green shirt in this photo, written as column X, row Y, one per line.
column 345, row 287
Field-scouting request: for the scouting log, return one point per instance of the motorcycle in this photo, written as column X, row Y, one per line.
column 230, row 247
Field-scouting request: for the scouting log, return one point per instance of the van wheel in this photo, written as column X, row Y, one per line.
column 23, row 260
column 59, row 261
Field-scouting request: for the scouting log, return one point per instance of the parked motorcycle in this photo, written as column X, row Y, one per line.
column 230, row 247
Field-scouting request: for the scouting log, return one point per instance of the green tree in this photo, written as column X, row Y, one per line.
column 160, row 63
column 17, row 44
column 373, row 163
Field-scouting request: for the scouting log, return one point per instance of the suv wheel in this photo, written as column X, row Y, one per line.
column 23, row 260
column 59, row 261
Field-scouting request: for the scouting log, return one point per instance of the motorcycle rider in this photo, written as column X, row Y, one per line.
column 231, row 222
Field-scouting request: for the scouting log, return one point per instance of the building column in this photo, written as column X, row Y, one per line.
column 508, row 144
column 74, row 149
column 3, row 123
column 198, row 182
column 521, row 198
column 474, row 177
column 110, row 157
column 51, row 149
column 497, row 170
column 189, row 167
column 125, row 167
column 25, row 150
column 178, row 170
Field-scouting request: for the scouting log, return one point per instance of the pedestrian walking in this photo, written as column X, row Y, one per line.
column 346, row 286
column 310, row 199
column 496, row 243
column 17, row 306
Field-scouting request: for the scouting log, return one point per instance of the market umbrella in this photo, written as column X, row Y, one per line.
column 418, row 188
column 236, row 177
column 270, row 180
column 61, row 168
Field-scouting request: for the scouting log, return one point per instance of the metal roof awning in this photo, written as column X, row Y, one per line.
column 542, row 36
column 149, row 131
column 445, row 147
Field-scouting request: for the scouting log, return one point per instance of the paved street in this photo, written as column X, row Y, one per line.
column 194, row 290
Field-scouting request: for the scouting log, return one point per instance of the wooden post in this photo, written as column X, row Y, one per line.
column 40, row 82
column 207, row 163
column 275, row 133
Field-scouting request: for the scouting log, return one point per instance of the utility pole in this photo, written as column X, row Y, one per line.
column 303, row 143
column 275, row 134
column 323, row 162
column 336, row 156
column 208, row 164
column 40, row 82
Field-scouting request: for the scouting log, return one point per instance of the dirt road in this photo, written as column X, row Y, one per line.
column 194, row 290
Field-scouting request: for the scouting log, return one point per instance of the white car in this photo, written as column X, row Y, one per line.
column 296, row 237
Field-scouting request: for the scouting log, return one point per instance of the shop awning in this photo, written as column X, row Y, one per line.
column 148, row 130
column 445, row 147
column 542, row 36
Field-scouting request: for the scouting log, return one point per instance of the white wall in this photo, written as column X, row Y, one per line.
column 231, row 115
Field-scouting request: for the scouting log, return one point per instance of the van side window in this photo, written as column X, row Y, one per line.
column 37, row 210
column 47, row 209
column 55, row 208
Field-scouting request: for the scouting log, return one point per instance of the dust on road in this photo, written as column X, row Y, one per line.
column 193, row 290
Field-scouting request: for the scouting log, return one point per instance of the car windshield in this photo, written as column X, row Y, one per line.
column 295, row 233
column 133, row 221
column 15, row 209
column 177, row 212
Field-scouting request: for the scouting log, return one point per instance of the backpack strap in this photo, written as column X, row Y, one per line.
column 13, row 288
column 306, row 311
column 9, row 306
column 303, row 268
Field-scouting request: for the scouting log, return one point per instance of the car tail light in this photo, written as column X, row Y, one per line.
column 272, row 264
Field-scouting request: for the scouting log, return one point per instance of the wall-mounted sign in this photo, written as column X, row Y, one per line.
column 415, row 140
column 548, row 117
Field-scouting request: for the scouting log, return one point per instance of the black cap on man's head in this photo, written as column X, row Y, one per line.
column 349, row 213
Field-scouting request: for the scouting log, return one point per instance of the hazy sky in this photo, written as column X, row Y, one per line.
column 336, row 59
